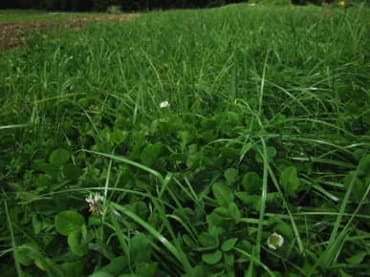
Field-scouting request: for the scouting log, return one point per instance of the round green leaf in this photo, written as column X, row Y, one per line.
column 234, row 212
column 139, row 242
column 290, row 181
column 229, row 244
column 43, row 180
column 77, row 244
column 72, row 269
column 284, row 229
column 212, row 258
column 116, row 265
column 150, row 154
column 252, row 182
column 27, row 253
column 223, row 194
column 67, row 222
column 231, row 174
column 59, row 156
column 253, row 201
column 208, row 240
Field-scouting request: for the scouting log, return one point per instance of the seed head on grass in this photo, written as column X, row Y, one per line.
column 94, row 202
column 275, row 241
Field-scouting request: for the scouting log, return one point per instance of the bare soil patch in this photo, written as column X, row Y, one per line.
column 15, row 33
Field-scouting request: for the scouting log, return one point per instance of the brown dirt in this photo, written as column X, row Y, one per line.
column 15, row 33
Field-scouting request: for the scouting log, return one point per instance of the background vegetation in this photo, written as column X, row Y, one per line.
column 84, row 5
column 128, row 5
column 266, row 130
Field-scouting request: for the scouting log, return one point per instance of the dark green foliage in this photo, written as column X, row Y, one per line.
column 135, row 5
column 66, row 5
column 267, row 132
column 101, row 5
column 128, row 5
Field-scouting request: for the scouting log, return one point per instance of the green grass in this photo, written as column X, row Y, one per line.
column 267, row 131
column 7, row 16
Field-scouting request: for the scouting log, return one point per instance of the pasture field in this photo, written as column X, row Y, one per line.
column 10, row 16
column 16, row 26
column 232, row 141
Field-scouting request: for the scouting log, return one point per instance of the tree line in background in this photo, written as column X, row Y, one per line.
column 126, row 5
column 101, row 5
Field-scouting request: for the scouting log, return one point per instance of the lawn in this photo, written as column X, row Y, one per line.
column 225, row 142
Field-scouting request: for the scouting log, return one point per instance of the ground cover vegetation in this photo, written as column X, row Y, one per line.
column 222, row 142
column 30, row 16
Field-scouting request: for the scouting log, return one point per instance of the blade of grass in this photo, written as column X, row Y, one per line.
column 175, row 251
column 291, row 217
column 262, row 85
column 13, row 126
column 256, row 261
column 13, row 242
column 129, row 162
column 257, row 248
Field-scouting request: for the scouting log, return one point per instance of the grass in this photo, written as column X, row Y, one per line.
column 267, row 131
column 13, row 16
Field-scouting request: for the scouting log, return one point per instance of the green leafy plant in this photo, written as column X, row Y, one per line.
column 231, row 141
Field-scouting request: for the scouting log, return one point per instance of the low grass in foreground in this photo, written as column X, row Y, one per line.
column 265, row 136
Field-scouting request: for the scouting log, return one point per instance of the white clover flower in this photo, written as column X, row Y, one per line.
column 94, row 202
column 275, row 241
column 164, row 104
